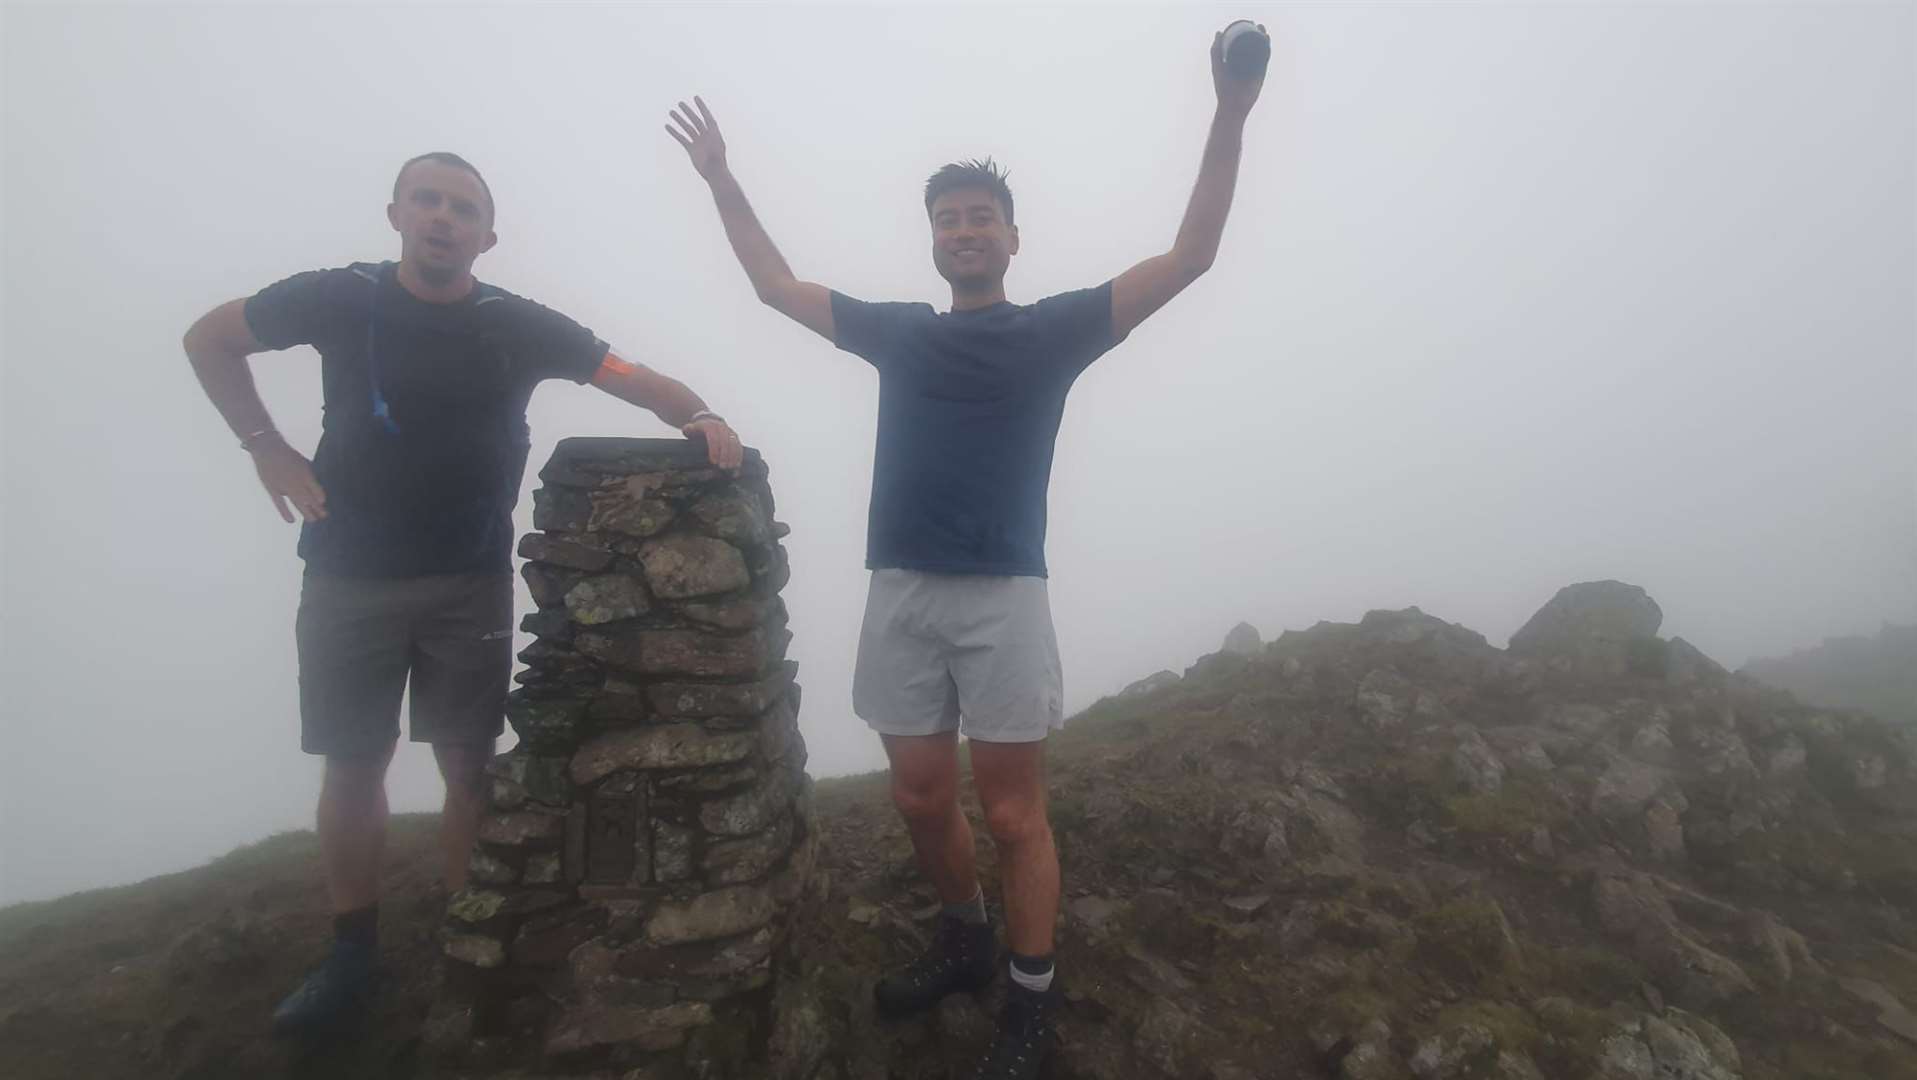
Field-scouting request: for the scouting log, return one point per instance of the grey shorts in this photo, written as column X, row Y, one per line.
column 362, row 639
column 951, row 652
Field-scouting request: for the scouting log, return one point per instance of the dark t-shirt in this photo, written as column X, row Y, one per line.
column 969, row 406
column 429, row 487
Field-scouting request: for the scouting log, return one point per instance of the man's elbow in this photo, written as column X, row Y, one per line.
column 779, row 294
column 1193, row 265
column 219, row 332
column 195, row 341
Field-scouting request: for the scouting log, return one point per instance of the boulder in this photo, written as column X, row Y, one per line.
column 1462, row 1051
column 1243, row 640
column 1164, row 1037
column 1475, row 765
column 1290, row 829
column 1677, row 1047
column 1385, row 699
column 1784, row 951
column 1664, row 826
column 1632, row 908
column 1626, row 788
column 1597, row 628
column 801, row 1031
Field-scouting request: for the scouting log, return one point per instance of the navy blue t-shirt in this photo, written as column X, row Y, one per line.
column 432, row 491
column 969, row 406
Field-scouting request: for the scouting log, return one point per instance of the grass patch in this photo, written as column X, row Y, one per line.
column 1465, row 941
column 1575, row 1037
column 1520, row 806
column 1513, row 1026
column 1354, row 1006
column 1591, row 971
column 1834, row 860
column 1828, row 1061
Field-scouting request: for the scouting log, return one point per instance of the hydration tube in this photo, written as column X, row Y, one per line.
column 382, row 411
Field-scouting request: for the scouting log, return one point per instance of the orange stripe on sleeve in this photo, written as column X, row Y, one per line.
column 613, row 367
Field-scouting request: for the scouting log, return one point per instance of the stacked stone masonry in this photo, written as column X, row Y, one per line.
column 647, row 841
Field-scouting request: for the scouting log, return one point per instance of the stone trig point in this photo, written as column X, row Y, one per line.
column 647, row 843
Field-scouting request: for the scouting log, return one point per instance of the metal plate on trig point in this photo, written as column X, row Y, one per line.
column 612, row 821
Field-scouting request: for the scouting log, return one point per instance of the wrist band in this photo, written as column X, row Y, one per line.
column 248, row 442
column 704, row 414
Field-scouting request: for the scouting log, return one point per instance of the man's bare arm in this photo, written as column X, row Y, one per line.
column 804, row 302
column 1150, row 285
column 217, row 346
column 673, row 402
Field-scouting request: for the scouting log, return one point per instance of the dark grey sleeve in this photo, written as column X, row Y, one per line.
column 869, row 331
column 554, row 346
column 299, row 310
column 1078, row 325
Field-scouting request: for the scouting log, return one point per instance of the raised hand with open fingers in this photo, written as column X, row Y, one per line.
column 698, row 132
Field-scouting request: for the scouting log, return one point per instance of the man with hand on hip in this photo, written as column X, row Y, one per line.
column 407, row 508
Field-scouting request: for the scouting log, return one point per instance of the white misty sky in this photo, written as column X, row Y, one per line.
column 1511, row 297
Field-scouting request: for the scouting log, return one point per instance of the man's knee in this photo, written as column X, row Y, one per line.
column 463, row 767
column 1011, row 788
column 1016, row 821
column 355, row 778
column 924, row 803
column 924, row 777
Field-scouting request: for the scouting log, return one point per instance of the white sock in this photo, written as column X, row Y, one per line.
column 1038, row 982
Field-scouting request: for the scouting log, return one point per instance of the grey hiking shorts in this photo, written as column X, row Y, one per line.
column 958, row 652
column 362, row 640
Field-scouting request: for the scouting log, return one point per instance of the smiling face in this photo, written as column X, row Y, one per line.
column 444, row 217
column 972, row 243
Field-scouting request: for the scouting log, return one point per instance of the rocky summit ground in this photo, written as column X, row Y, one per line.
column 1375, row 850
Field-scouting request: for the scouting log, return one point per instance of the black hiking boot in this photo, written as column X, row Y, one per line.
column 962, row 957
column 333, row 996
column 1025, row 1039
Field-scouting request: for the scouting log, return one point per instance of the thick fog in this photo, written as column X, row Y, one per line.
column 1511, row 297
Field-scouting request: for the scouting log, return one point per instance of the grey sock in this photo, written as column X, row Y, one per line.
column 971, row 912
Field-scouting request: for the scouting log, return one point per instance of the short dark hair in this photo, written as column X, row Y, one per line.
column 963, row 175
column 444, row 157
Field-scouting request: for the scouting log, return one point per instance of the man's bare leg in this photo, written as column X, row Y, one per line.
column 352, row 834
column 963, row 953
column 463, row 767
column 925, row 777
column 1011, row 786
column 352, row 828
